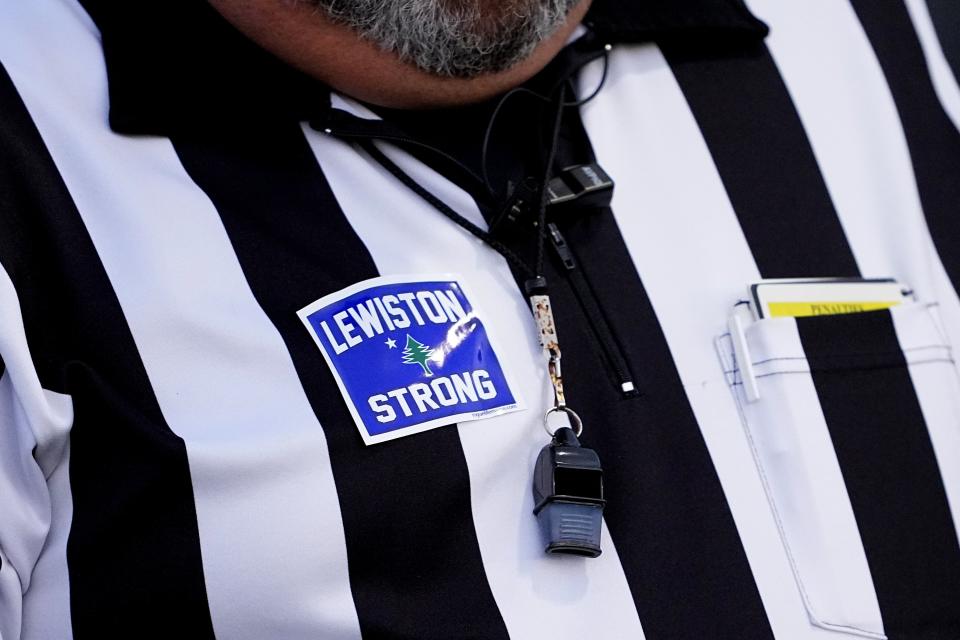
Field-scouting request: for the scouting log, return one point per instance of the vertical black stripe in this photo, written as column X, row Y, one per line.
column 666, row 511
column 414, row 560
column 890, row 470
column 871, row 409
column 932, row 138
column 945, row 15
column 133, row 552
column 923, row 593
column 764, row 160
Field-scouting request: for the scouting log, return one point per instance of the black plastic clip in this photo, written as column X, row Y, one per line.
column 576, row 189
column 586, row 184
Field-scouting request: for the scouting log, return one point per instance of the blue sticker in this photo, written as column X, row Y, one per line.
column 410, row 354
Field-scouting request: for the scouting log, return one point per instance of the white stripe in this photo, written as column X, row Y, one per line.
column 35, row 497
column 46, row 606
column 944, row 82
column 538, row 596
column 11, row 603
column 271, row 537
column 688, row 248
column 852, row 122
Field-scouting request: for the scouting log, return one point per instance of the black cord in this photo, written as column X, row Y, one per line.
column 603, row 81
column 533, row 94
column 490, row 124
column 444, row 208
column 544, row 184
column 485, row 236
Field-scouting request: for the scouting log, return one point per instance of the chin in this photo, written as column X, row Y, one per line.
column 336, row 55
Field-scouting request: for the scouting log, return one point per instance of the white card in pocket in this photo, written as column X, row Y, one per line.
column 802, row 297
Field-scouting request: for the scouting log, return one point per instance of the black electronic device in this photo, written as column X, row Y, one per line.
column 586, row 184
column 580, row 188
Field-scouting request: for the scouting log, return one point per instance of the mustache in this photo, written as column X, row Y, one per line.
column 453, row 38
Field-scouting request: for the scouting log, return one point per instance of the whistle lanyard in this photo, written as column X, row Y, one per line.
column 536, row 283
column 567, row 482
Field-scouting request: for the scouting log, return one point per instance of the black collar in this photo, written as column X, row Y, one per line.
column 177, row 65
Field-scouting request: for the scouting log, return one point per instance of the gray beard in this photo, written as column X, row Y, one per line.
column 453, row 38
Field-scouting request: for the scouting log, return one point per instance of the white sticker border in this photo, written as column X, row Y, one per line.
column 357, row 287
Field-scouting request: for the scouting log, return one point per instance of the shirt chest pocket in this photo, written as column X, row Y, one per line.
column 840, row 437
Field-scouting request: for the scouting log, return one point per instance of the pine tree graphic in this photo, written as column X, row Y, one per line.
column 417, row 353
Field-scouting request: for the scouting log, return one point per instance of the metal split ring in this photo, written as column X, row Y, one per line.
column 575, row 422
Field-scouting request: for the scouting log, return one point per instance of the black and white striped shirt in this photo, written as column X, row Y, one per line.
column 176, row 460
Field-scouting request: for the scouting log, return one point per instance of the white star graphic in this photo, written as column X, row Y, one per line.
column 391, row 343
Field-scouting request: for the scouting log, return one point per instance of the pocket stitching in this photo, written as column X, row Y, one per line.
column 736, row 380
column 730, row 358
column 945, row 345
column 730, row 367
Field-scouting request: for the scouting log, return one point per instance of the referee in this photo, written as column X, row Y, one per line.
column 442, row 319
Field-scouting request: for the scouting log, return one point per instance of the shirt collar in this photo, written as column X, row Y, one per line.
column 177, row 65
column 675, row 21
